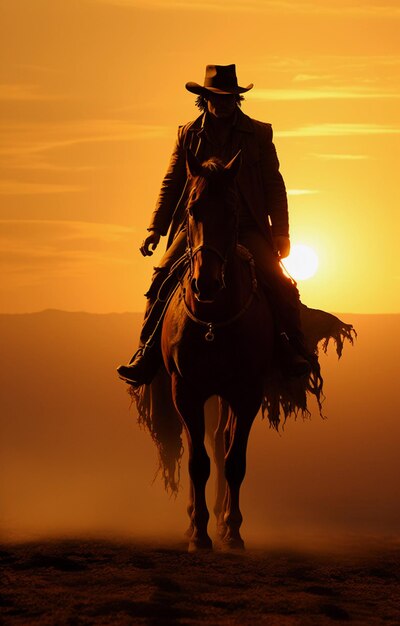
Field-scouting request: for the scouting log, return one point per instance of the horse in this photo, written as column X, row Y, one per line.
column 217, row 339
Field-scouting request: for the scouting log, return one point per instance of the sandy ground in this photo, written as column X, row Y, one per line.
column 78, row 582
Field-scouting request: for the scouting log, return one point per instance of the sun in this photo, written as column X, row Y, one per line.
column 302, row 262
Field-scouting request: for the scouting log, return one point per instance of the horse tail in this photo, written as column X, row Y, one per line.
column 157, row 415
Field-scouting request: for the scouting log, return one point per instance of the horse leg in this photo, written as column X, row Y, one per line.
column 219, row 458
column 192, row 413
column 235, row 469
column 199, row 472
column 190, row 509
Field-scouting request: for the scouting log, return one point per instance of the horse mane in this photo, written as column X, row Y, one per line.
column 211, row 176
column 213, row 164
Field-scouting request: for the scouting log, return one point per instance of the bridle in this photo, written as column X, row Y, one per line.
column 232, row 247
column 191, row 252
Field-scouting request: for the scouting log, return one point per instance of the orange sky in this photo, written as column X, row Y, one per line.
column 92, row 91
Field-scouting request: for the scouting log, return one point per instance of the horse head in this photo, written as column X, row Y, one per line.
column 211, row 222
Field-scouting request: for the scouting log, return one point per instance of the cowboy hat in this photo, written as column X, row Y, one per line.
column 219, row 79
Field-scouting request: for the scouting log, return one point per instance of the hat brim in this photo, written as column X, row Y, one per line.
column 200, row 90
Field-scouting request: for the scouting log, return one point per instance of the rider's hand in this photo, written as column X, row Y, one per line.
column 151, row 240
column 282, row 245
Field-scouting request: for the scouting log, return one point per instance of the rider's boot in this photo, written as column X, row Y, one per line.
column 293, row 355
column 142, row 367
column 296, row 359
column 146, row 361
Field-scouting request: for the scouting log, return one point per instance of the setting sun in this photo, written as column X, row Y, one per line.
column 302, row 263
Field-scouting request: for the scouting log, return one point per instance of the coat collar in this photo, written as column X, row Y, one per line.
column 242, row 123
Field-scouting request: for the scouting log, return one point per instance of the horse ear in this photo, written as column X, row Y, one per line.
column 234, row 165
column 193, row 165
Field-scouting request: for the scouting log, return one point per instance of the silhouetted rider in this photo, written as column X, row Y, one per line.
column 222, row 130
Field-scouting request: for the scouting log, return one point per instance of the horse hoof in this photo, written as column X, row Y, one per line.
column 197, row 545
column 222, row 529
column 230, row 544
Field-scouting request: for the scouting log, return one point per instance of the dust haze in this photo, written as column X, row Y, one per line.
column 75, row 463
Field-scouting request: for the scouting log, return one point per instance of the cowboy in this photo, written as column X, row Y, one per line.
column 222, row 130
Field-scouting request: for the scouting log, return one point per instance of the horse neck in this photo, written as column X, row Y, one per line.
column 237, row 279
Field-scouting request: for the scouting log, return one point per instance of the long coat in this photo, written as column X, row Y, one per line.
column 261, row 188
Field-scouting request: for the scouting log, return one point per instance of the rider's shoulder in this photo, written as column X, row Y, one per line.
column 262, row 128
column 189, row 127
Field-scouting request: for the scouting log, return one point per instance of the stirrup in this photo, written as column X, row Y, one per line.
column 139, row 352
column 142, row 367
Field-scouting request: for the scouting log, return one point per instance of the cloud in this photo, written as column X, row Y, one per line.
column 31, row 146
column 20, row 139
column 42, row 69
column 44, row 247
column 340, row 157
column 264, row 6
column 302, row 78
column 301, row 192
column 319, row 78
column 64, row 230
column 36, row 162
column 320, row 93
column 336, row 130
column 14, row 187
column 345, row 70
column 24, row 93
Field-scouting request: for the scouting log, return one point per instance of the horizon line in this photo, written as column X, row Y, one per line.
column 97, row 313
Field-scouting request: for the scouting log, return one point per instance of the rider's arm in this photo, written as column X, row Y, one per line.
column 274, row 186
column 171, row 189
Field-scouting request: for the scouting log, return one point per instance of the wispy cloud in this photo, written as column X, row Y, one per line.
column 320, row 93
column 301, row 192
column 38, row 163
column 34, row 146
column 66, row 229
column 29, row 138
column 360, row 74
column 23, row 92
column 17, row 188
column 46, row 246
column 340, row 157
column 36, row 158
column 265, row 6
column 42, row 69
column 335, row 130
column 315, row 66
column 305, row 78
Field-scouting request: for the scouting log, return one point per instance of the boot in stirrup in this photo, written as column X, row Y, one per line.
column 142, row 367
column 146, row 361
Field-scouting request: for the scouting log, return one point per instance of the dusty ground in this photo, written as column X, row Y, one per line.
column 101, row 582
